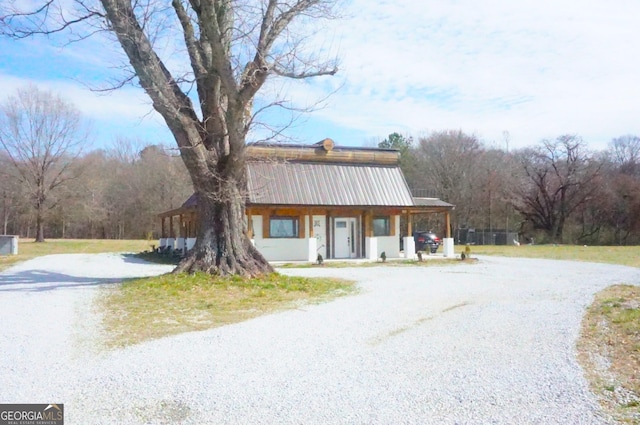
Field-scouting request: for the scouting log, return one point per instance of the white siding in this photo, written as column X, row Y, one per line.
column 283, row 249
column 257, row 227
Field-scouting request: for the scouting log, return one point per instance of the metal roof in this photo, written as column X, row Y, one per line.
column 431, row 202
column 299, row 183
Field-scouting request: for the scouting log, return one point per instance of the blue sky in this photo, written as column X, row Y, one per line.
column 534, row 69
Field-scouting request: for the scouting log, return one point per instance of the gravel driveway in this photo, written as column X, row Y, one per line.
column 491, row 342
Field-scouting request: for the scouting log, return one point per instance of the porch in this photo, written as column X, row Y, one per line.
column 300, row 233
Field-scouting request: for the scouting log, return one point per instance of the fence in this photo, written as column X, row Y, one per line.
column 485, row 237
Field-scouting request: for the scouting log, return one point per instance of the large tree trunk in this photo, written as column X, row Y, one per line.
column 223, row 247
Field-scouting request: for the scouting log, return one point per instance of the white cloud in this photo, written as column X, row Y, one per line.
column 536, row 69
column 124, row 104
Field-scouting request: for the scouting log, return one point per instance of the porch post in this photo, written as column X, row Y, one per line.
column 371, row 242
column 447, row 245
column 312, row 242
column 163, row 234
column 447, row 220
column 409, row 243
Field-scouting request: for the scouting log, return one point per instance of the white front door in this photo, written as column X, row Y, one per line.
column 344, row 235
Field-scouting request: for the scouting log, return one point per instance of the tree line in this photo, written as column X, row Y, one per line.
column 51, row 186
column 556, row 191
column 117, row 195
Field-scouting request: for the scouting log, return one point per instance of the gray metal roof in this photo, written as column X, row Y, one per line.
column 431, row 202
column 298, row 183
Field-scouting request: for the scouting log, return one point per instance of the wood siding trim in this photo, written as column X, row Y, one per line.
column 302, row 225
column 318, row 154
column 392, row 225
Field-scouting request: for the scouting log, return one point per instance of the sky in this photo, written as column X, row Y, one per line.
column 510, row 72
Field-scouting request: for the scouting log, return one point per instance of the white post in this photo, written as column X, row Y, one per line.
column 409, row 247
column 371, row 246
column 312, row 246
column 447, row 247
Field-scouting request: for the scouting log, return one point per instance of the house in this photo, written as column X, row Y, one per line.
column 305, row 200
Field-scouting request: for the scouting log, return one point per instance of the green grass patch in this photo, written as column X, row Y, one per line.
column 28, row 249
column 609, row 350
column 150, row 308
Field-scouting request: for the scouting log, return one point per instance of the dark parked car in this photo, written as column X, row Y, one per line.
column 426, row 241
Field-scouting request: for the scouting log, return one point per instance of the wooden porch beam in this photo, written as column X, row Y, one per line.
column 447, row 221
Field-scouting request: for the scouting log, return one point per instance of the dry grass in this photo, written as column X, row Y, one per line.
column 609, row 350
column 28, row 249
column 150, row 308
column 625, row 255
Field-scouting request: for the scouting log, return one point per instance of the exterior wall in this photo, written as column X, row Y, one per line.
column 283, row 249
column 371, row 248
column 320, row 233
column 391, row 244
column 257, row 227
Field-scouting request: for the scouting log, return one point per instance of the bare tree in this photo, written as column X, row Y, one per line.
column 448, row 162
column 624, row 153
column 232, row 47
column 41, row 135
column 559, row 176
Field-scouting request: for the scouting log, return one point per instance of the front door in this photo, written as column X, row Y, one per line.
column 345, row 237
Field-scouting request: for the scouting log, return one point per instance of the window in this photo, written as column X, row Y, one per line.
column 381, row 226
column 283, row 227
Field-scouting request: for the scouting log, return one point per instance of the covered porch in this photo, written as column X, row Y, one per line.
column 304, row 233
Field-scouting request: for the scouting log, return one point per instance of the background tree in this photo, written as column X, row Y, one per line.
column 447, row 167
column 624, row 153
column 404, row 145
column 41, row 135
column 232, row 47
column 558, row 177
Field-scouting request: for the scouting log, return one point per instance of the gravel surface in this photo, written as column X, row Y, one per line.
column 485, row 343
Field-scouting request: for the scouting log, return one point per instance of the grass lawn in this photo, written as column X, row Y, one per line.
column 144, row 309
column 625, row 255
column 609, row 350
column 28, row 249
